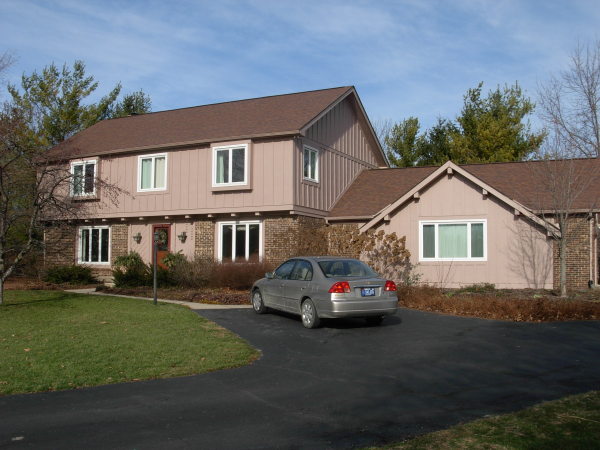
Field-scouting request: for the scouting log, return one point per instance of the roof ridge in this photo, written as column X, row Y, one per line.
column 229, row 101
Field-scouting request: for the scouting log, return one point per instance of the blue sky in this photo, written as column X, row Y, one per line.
column 406, row 58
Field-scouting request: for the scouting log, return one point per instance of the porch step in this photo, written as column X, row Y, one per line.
column 107, row 280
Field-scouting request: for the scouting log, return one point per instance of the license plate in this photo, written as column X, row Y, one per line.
column 368, row 292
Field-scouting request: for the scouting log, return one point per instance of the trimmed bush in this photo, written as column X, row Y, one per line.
column 73, row 274
column 191, row 274
column 239, row 275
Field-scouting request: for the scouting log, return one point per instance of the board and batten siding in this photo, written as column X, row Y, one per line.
column 189, row 182
column 519, row 254
column 343, row 153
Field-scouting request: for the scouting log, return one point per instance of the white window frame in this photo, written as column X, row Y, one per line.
column 152, row 177
column 240, row 222
column 311, row 149
column 80, row 245
column 437, row 240
column 214, row 165
column 83, row 163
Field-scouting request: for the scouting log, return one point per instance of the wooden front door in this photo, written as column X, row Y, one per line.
column 164, row 243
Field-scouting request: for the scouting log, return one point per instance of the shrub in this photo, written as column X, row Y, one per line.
column 172, row 259
column 131, row 271
column 238, row 275
column 131, row 260
column 191, row 274
column 74, row 274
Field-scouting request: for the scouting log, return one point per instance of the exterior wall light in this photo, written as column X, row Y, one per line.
column 137, row 237
column 182, row 237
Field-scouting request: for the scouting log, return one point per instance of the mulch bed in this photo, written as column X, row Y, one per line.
column 518, row 305
column 211, row 296
column 28, row 284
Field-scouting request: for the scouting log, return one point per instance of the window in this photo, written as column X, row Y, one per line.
column 84, row 178
column 283, row 271
column 346, row 268
column 94, row 245
column 152, row 173
column 302, row 272
column 311, row 164
column 230, row 165
column 240, row 240
column 453, row 240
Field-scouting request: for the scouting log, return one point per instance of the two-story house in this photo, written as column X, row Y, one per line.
column 227, row 180
column 251, row 177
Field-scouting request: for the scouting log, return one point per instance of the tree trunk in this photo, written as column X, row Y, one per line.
column 563, row 268
column 1, row 290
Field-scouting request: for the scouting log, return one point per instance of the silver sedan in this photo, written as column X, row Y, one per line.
column 325, row 287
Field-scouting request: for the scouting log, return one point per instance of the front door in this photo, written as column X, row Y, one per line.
column 164, row 242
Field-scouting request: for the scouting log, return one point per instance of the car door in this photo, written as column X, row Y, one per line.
column 297, row 285
column 274, row 288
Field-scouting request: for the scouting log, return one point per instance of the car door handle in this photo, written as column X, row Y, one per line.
column 281, row 285
column 303, row 288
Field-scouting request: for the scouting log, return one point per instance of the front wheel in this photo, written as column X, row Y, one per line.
column 374, row 320
column 310, row 318
column 257, row 303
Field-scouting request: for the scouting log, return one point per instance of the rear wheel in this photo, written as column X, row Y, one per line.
column 374, row 320
column 310, row 318
column 257, row 303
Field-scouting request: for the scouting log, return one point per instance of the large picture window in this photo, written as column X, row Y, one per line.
column 311, row 164
column 240, row 240
column 230, row 165
column 84, row 178
column 94, row 245
column 453, row 240
column 152, row 173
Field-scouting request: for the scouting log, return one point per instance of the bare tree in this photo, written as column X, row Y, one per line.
column 35, row 188
column 565, row 194
column 7, row 60
column 569, row 101
column 383, row 128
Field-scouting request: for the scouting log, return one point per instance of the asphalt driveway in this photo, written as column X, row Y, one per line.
column 341, row 386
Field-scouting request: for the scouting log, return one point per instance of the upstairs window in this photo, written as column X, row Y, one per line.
column 311, row 164
column 94, row 245
column 84, row 178
column 230, row 165
column 453, row 240
column 152, row 173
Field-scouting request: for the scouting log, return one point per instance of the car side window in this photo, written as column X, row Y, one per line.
column 303, row 271
column 284, row 270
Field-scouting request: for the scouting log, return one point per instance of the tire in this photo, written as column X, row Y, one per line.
column 373, row 321
column 257, row 302
column 310, row 318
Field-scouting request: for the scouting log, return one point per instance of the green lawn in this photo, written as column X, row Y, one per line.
column 53, row 340
column 569, row 423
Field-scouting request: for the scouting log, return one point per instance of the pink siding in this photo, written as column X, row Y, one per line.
column 519, row 255
column 339, row 129
column 343, row 154
column 144, row 248
column 189, row 183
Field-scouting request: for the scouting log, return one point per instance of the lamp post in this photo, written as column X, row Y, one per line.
column 156, row 238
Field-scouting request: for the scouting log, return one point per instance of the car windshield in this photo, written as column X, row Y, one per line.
column 346, row 268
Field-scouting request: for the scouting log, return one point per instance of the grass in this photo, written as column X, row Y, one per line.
column 569, row 423
column 54, row 340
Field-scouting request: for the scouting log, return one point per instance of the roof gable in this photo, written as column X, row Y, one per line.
column 266, row 116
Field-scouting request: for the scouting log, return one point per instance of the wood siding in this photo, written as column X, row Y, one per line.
column 343, row 154
column 189, row 183
column 519, row 255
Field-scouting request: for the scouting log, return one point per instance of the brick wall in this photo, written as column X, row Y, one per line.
column 282, row 234
column 118, row 241
column 204, row 243
column 578, row 256
column 60, row 245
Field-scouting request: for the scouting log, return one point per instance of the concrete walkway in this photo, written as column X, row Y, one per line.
column 191, row 305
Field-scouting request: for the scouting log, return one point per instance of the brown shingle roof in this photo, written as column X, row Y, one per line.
column 373, row 190
column 244, row 118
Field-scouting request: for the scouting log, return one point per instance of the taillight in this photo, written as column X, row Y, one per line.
column 340, row 287
column 389, row 286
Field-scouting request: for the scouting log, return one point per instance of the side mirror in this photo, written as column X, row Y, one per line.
column 269, row 275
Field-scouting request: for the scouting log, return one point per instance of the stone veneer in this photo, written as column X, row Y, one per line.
column 578, row 256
